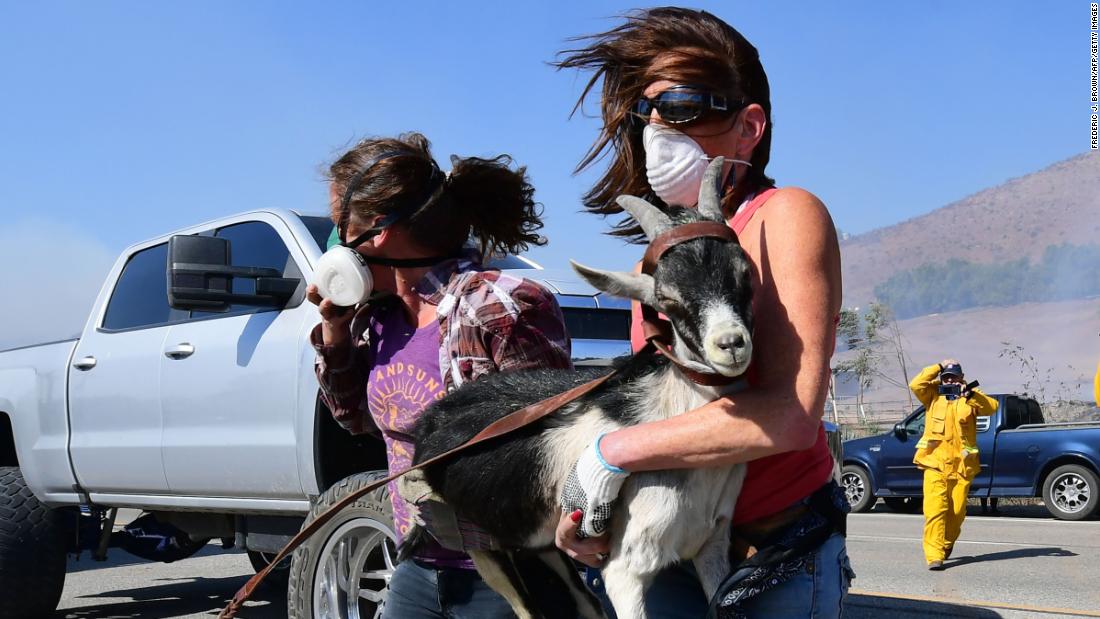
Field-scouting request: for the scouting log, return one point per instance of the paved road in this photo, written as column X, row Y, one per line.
column 1007, row 566
column 125, row 586
column 196, row 587
column 1003, row 566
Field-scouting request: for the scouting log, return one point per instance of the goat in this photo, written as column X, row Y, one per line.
column 510, row 486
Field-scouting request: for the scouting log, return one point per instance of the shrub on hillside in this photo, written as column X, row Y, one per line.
column 1064, row 272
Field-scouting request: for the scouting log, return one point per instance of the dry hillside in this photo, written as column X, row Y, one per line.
column 1059, row 204
column 1059, row 350
column 1060, row 338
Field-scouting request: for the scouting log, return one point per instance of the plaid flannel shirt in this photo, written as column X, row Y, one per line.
column 488, row 322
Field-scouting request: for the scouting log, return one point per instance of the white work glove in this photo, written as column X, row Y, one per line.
column 592, row 487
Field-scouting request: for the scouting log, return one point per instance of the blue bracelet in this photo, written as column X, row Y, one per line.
column 599, row 456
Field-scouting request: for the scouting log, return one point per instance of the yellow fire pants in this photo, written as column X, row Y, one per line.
column 944, row 511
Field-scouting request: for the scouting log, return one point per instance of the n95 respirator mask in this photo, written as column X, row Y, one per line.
column 675, row 164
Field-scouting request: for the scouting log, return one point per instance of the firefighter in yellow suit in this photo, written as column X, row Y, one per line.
column 947, row 452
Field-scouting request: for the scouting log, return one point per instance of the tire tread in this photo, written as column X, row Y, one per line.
column 299, row 589
column 32, row 550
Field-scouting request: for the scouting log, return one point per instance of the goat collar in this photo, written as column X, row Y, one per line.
column 658, row 331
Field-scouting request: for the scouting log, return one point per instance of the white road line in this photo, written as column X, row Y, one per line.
column 909, row 540
column 1085, row 523
column 1073, row 612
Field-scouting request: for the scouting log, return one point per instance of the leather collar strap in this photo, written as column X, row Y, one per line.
column 509, row 423
column 685, row 232
column 657, row 331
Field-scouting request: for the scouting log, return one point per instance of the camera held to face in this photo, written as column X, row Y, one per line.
column 950, row 390
column 953, row 391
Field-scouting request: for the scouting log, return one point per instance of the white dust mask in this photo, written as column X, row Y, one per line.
column 675, row 164
column 343, row 277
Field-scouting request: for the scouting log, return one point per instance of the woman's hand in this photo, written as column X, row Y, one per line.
column 591, row 490
column 335, row 320
column 591, row 551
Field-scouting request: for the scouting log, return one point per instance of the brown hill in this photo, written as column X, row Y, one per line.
column 1021, row 217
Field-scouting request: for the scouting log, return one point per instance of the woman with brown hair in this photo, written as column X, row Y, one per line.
column 428, row 317
column 680, row 87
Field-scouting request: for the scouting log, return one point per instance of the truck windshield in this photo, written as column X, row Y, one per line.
column 319, row 228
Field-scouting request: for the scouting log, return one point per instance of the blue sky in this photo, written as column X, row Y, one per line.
column 123, row 120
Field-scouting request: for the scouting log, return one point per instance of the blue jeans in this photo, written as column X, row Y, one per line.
column 420, row 591
column 817, row 592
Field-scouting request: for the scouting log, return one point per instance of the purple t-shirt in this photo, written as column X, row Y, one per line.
column 404, row 379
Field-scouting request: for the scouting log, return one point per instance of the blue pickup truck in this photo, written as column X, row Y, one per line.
column 1021, row 456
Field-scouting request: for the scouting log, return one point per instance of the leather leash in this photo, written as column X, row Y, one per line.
column 509, row 423
column 656, row 330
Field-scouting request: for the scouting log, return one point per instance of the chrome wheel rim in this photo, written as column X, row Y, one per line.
column 853, row 487
column 1071, row 493
column 353, row 571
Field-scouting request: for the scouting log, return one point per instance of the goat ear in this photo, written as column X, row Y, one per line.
column 710, row 191
column 652, row 219
column 637, row 286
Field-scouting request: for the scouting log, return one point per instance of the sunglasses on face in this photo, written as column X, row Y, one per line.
column 681, row 105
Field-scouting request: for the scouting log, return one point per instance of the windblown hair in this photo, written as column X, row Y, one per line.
column 483, row 198
column 669, row 43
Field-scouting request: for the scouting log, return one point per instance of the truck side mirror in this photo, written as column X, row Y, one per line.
column 200, row 277
column 899, row 431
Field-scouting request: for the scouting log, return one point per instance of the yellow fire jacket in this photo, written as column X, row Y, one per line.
column 1096, row 386
column 949, row 443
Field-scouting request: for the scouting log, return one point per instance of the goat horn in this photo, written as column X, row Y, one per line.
column 710, row 191
column 652, row 220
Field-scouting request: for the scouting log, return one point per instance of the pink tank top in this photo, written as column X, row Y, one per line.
column 775, row 482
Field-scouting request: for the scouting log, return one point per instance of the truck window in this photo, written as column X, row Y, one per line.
column 140, row 297
column 253, row 244
column 1015, row 412
column 597, row 324
column 1034, row 413
column 915, row 426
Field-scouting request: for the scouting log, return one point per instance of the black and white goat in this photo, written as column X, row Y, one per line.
column 510, row 486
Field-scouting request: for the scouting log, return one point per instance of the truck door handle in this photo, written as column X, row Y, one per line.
column 181, row 351
column 85, row 364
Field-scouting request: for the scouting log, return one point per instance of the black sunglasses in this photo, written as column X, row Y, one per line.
column 680, row 105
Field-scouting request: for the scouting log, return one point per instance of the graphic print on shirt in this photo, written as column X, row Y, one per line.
column 399, row 391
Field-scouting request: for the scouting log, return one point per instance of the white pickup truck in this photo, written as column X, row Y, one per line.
column 191, row 394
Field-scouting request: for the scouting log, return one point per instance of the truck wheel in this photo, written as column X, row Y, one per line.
column 1071, row 492
column 857, row 488
column 344, row 569
column 277, row 577
column 32, row 550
